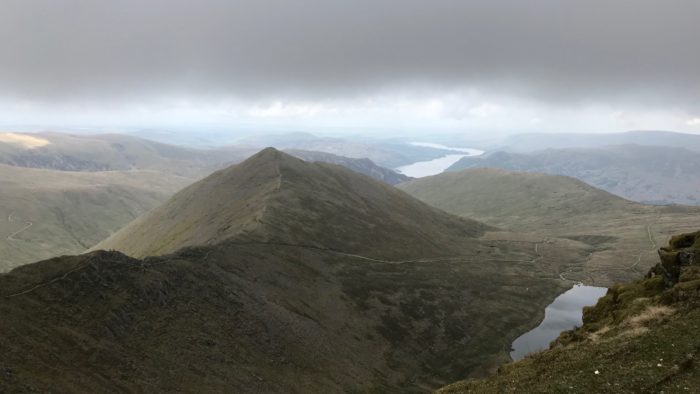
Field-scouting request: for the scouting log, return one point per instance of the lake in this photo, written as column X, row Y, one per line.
column 436, row 166
column 564, row 313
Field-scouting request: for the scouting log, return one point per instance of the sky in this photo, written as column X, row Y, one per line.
column 380, row 67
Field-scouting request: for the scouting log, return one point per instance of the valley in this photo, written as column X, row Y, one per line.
column 623, row 235
column 335, row 197
column 422, row 297
column 298, row 260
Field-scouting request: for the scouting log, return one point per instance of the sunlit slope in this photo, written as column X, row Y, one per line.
column 274, row 197
column 66, row 152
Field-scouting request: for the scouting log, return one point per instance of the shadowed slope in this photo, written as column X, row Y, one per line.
column 639, row 338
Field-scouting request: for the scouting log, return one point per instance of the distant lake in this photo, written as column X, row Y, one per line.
column 436, row 166
column 564, row 313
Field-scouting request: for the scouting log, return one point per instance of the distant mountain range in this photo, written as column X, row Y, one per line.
column 390, row 154
column 648, row 174
column 114, row 152
column 523, row 143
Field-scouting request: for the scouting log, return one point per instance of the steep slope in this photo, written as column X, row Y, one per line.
column 362, row 166
column 624, row 234
column 640, row 338
column 651, row 174
column 45, row 213
column 295, row 277
column 274, row 197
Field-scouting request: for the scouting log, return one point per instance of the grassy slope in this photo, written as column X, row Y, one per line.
column 260, row 318
column 623, row 235
column 640, row 337
column 446, row 303
column 275, row 197
column 71, row 211
column 656, row 174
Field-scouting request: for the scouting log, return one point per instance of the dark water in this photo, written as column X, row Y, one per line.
column 564, row 313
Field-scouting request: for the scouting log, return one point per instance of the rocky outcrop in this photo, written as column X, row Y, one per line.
column 683, row 251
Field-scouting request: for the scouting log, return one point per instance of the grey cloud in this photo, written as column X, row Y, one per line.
column 549, row 49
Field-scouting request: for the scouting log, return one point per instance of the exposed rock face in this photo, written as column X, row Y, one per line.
column 641, row 337
column 683, row 251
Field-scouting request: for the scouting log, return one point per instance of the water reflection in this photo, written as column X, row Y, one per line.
column 564, row 313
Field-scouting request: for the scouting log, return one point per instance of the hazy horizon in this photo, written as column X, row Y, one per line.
column 378, row 69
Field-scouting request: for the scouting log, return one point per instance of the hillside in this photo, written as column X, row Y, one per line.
column 530, row 142
column 624, row 234
column 363, row 166
column 648, row 174
column 275, row 197
column 115, row 152
column 640, row 338
column 294, row 277
column 45, row 213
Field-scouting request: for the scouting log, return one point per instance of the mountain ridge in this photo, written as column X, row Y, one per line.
column 289, row 196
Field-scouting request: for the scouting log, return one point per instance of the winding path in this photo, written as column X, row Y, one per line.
column 312, row 247
column 11, row 237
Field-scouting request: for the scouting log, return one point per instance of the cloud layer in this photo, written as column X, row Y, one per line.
column 554, row 51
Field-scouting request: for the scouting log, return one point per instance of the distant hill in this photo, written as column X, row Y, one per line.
column 112, row 152
column 625, row 234
column 279, row 275
column 640, row 338
column 648, row 174
column 363, row 166
column 523, row 143
column 45, row 213
column 390, row 154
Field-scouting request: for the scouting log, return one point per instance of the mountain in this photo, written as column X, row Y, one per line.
column 113, row 152
column 648, row 174
column 623, row 233
column 388, row 153
column 275, row 197
column 362, row 166
column 523, row 143
column 639, row 338
column 45, row 213
column 279, row 275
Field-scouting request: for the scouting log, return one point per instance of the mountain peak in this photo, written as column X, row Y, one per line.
column 275, row 198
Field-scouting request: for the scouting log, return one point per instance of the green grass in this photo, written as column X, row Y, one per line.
column 641, row 337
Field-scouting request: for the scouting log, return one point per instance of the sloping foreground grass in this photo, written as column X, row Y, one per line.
column 641, row 337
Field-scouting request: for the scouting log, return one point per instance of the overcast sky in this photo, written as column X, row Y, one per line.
column 352, row 65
